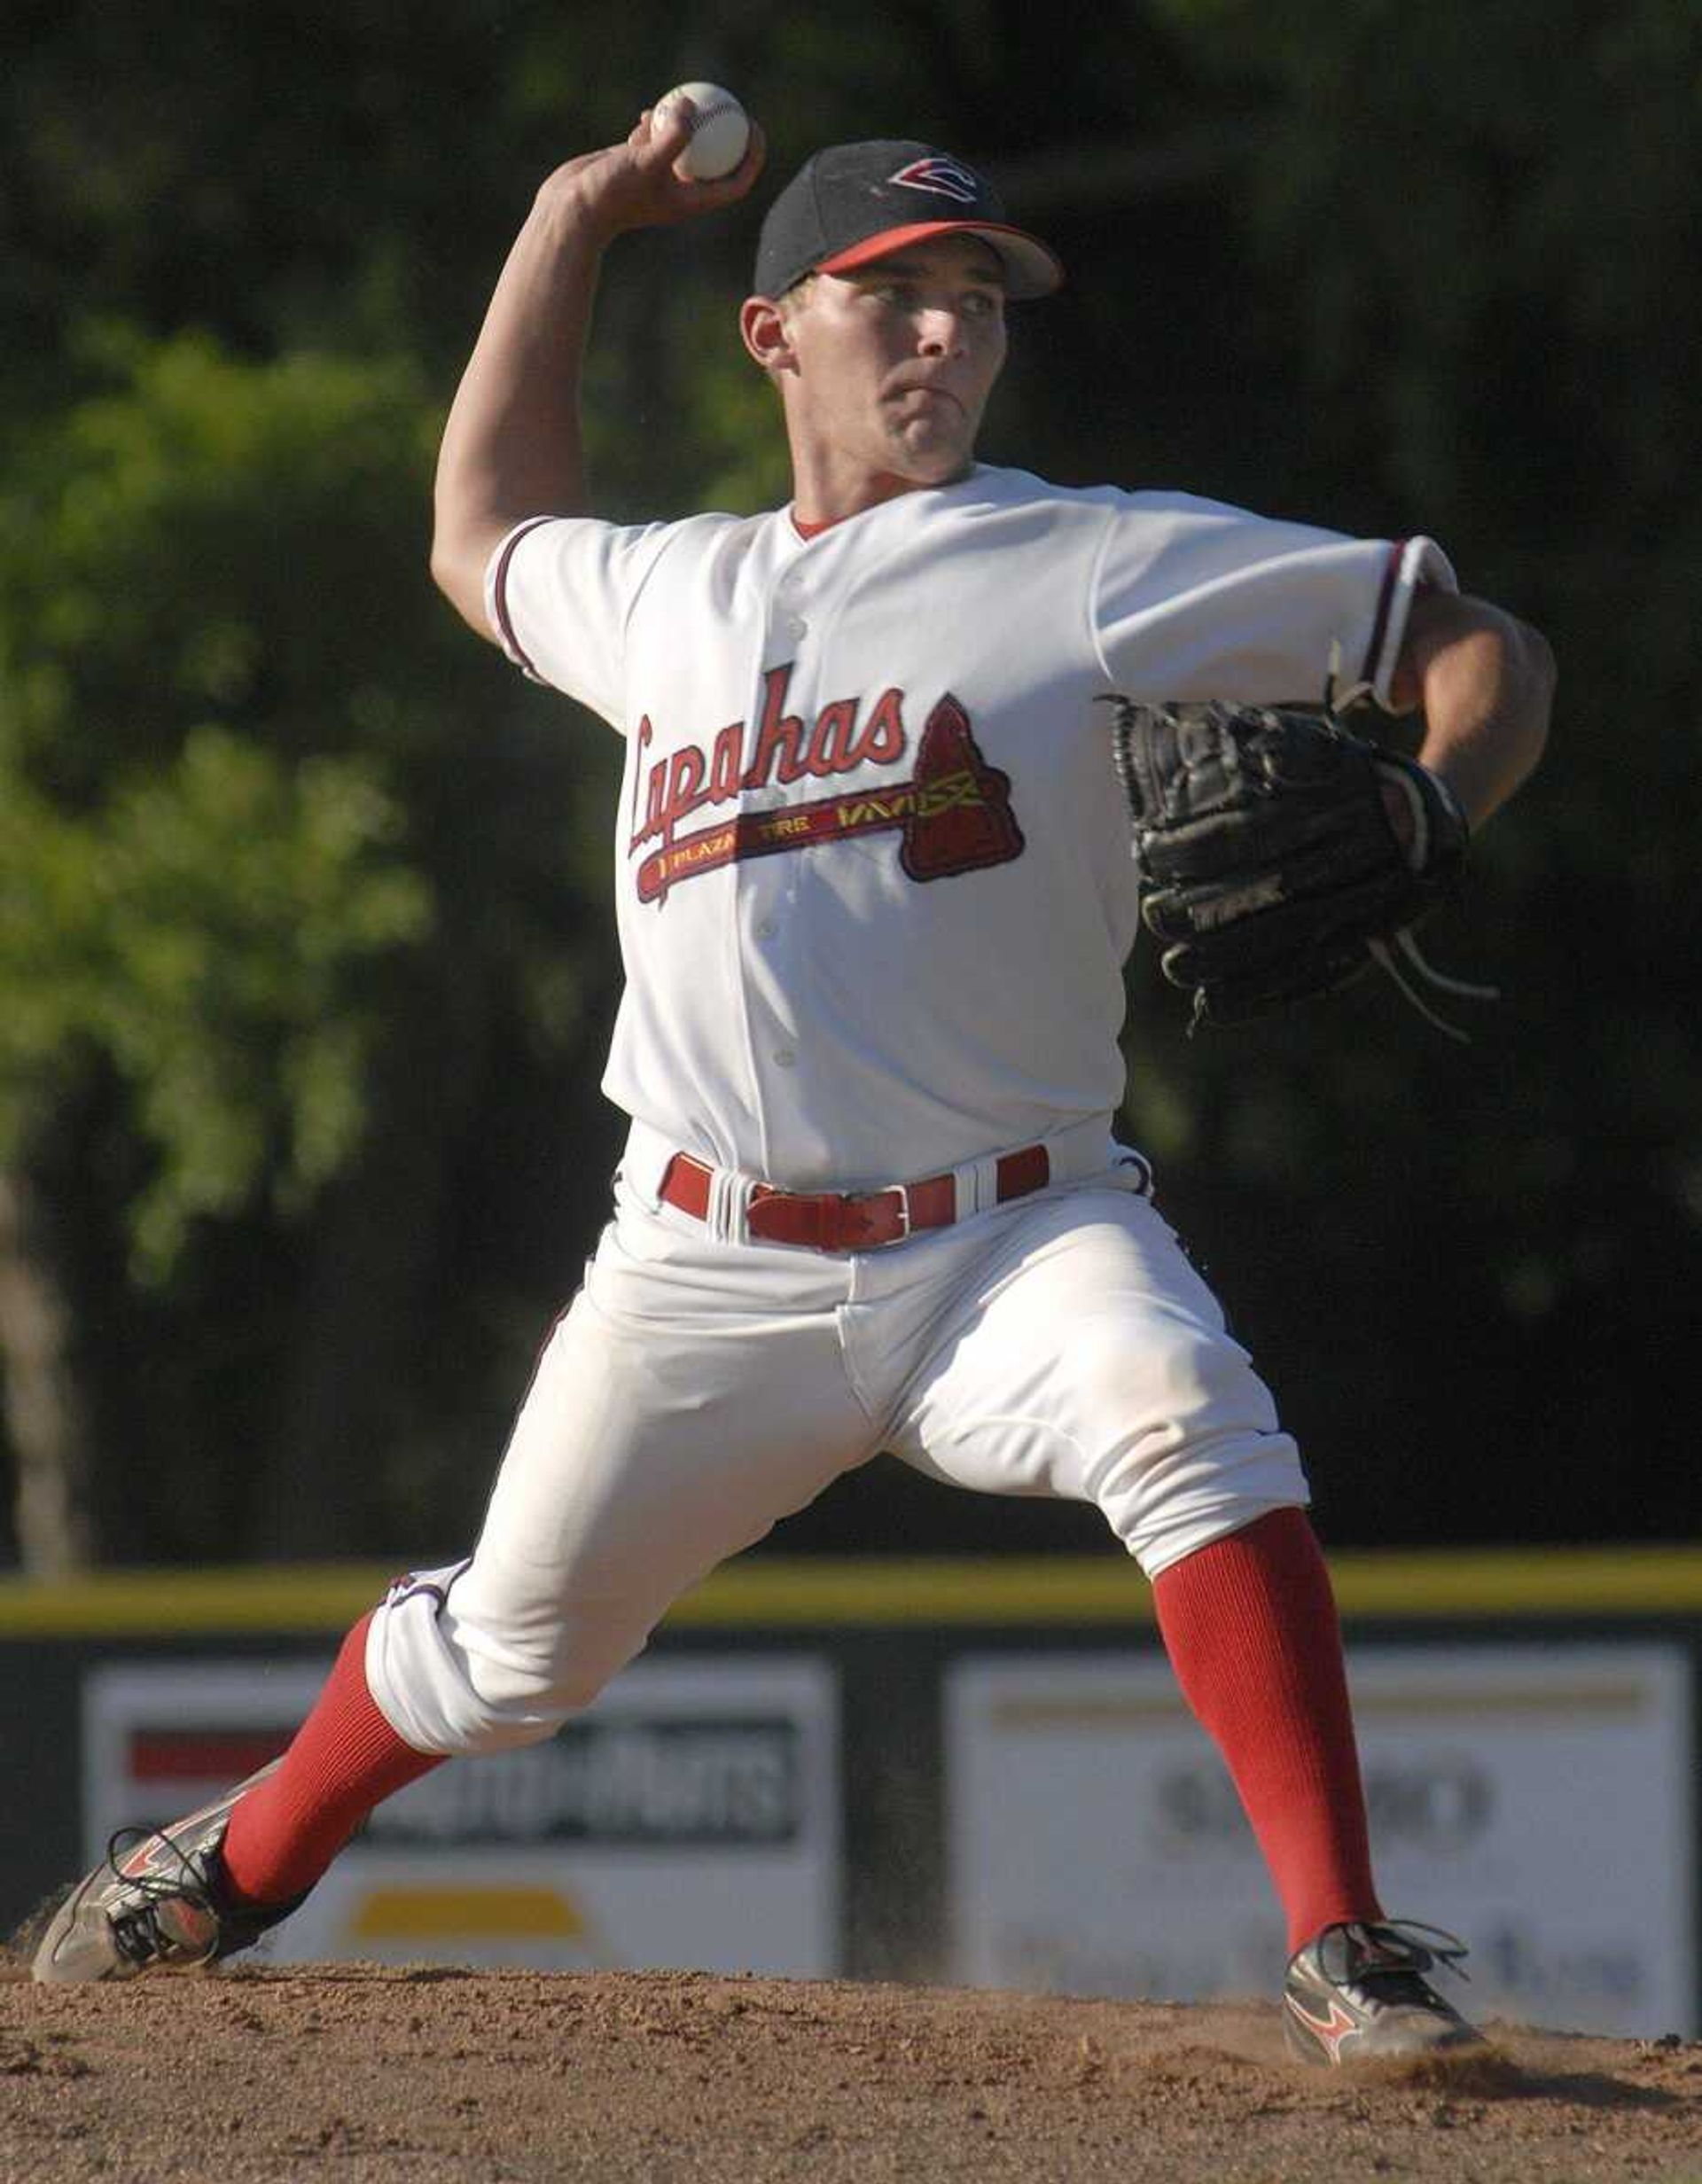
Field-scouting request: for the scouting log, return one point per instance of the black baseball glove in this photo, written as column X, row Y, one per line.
column 1271, row 867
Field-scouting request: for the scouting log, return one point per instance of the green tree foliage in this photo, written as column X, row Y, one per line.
column 205, row 932
column 195, row 903
column 275, row 867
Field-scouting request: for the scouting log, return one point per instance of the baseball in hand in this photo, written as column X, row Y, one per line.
column 719, row 131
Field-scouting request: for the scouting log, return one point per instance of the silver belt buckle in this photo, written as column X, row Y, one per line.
column 901, row 1194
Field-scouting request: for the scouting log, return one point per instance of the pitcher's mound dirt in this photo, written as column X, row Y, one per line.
column 366, row 2075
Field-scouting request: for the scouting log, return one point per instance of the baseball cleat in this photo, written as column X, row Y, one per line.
column 1357, row 1994
column 155, row 1903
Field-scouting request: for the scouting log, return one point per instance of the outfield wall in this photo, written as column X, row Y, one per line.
column 970, row 1771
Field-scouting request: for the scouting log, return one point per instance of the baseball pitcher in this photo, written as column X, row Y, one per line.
column 873, row 875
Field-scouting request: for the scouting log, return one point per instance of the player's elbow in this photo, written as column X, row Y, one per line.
column 1477, row 659
column 1530, row 675
column 1540, row 670
column 458, row 571
column 1516, row 692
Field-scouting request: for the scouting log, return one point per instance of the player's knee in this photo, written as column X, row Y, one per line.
column 1173, row 1381
column 515, row 1689
column 1183, row 1435
column 516, row 1695
column 452, row 1684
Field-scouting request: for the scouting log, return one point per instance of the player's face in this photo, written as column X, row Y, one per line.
column 893, row 364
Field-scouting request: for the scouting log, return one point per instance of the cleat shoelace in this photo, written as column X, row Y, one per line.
column 136, row 1931
column 1387, row 1962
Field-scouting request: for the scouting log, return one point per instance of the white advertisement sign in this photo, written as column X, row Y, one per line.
column 690, row 1818
column 1536, row 1801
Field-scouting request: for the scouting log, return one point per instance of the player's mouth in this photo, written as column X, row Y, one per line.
column 923, row 394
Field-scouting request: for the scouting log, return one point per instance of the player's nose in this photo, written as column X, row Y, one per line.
column 940, row 331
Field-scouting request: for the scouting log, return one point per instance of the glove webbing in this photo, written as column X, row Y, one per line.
column 1382, row 953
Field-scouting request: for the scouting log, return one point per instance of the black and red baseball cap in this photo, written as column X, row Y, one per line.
column 851, row 204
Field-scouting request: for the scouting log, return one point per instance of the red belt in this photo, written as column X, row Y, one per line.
column 832, row 1220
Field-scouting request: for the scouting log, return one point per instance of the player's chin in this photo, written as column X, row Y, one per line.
column 932, row 455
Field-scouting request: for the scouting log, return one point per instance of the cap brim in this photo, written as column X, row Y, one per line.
column 1030, row 268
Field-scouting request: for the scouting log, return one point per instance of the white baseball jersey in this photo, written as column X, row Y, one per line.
column 873, row 877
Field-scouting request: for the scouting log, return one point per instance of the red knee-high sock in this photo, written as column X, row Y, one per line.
column 345, row 1759
column 1249, row 1625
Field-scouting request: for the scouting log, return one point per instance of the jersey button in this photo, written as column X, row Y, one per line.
column 784, row 1058
column 767, row 929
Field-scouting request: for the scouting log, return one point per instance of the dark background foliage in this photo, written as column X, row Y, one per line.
column 305, row 938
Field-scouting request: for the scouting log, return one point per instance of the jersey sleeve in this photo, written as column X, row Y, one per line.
column 560, row 592
column 1195, row 599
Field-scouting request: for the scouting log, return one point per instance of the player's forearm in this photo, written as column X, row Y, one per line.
column 513, row 445
column 1486, row 683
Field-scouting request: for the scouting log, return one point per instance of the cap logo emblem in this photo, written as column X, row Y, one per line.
column 942, row 176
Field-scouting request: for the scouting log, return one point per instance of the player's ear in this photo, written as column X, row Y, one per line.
column 762, row 325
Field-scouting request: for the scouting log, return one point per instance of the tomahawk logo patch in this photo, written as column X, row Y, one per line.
column 940, row 175
column 961, row 819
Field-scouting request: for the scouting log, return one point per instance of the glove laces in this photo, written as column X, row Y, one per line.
column 1385, row 954
column 1339, row 698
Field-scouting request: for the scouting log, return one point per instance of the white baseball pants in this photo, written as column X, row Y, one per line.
column 698, row 1391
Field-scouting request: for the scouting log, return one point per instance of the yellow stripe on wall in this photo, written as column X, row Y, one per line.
column 442, row 1914
column 1558, row 1581
column 827, row 1592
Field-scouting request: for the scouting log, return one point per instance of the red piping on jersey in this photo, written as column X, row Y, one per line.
column 1386, row 600
column 499, row 598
